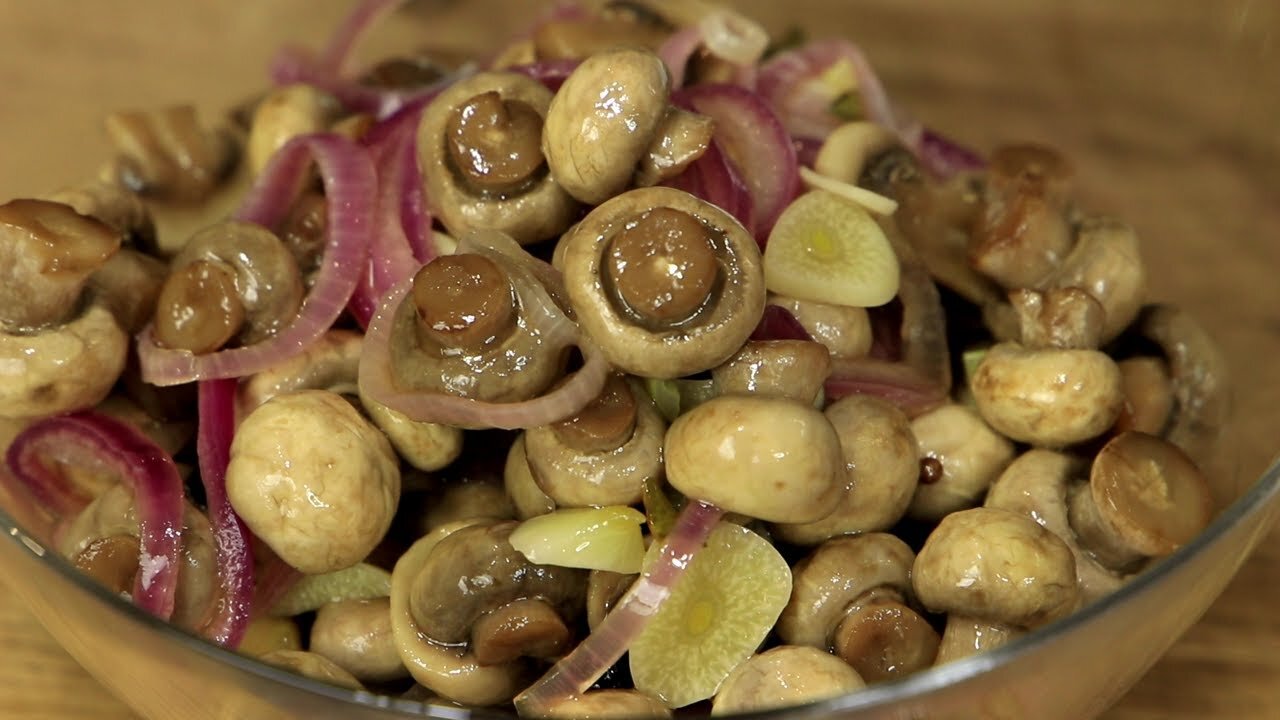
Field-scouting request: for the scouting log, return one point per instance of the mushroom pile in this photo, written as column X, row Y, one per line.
column 644, row 366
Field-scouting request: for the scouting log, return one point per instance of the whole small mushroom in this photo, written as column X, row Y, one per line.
column 165, row 153
column 665, row 284
column 793, row 369
column 782, row 677
column 767, row 458
column 966, row 636
column 881, row 471
column 844, row 330
column 604, row 454
column 971, row 456
column 314, row 480
column 466, row 495
column 479, row 147
column 356, row 636
column 285, row 113
column 603, row 704
column 312, row 665
column 517, row 478
column 602, row 122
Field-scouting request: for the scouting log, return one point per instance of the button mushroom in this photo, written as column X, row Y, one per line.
column 517, row 478
column 971, row 456
column 602, row 122
column 851, row 595
column 120, row 209
column 767, row 458
column 356, row 636
column 601, row 704
column 466, row 495
column 166, row 154
column 996, row 566
column 1148, row 395
column 783, row 677
column 283, row 114
column 965, row 636
column 679, row 139
column 604, row 454
column 232, row 281
column 479, row 147
column 881, row 470
column 1036, row 485
column 793, row 369
column 844, row 330
column 1145, row 498
column 58, row 351
column 615, row 25
column 664, row 283
column 313, row 480
column 312, row 665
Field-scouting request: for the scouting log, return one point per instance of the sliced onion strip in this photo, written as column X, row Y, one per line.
column 578, row 670
column 350, row 186
column 94, row 442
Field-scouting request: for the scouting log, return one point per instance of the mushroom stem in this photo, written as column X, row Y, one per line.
column 198, row 308
column 463, row 302
column 495, row 144
column 966, row 636
column 607, row 423
column 112, row 561
column 523, row 628
column 663, row 267
column 884, row 639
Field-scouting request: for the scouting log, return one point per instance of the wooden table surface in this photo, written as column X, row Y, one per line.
column 1168, row 108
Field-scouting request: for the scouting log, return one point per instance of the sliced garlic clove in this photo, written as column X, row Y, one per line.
column 606, row 538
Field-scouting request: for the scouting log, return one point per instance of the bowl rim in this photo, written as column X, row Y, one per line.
column 1256, row 499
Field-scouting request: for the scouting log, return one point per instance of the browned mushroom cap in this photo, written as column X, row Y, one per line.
column 602, row 122
column 1145, row 498
column 47, row 252
column 604, row 454
column 114, row 205
column 467, row 327
column 356, row 636
column 527, row 627
column 784, row 676
column 166, row 154
column 1022, row 233
column 234, row 280
column 1065, row 318
column 1148, row 395
column 1047, row 397
column 665, row 284
column 1105, row 262
column 831, row 579
column 1036, row 485
column 881, row 469
column 793, row 369
column 482, row 163
column 475, row 570
column 971, row 456
column 884, row 639
column 996, row 565
column 129, row 284
column 768, row 458
column 604, row 589
column 679, row 139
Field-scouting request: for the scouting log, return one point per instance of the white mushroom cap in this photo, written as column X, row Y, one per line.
column 62, row 369
column 972, row 456
column 356, row 636
column 314, row 480
column 785, row 676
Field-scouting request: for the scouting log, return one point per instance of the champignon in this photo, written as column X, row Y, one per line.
column 881, row 470
column 603, row 120
column 166, row 154
column 314, row 480
column 679, row 139
column 665, row 284
column 482, row 163
column 971, row 456
column 997, row 566
column 604, row 589
column 615, row 25
column 844, row 330
column 1063, row 318
column 966, row 636
column 782, row 677
column 169, row 434
column 1145, row 498
column 1148, row 395
column 604, row 454
column 473, row 325
column 602, row 704
column 267, row 634
column 769, row 458
column 792, row 369
column 285, row 113
column 356, row 636
column 526, row 627
column 1047, row 397
column 466, row 496
column 1036, row 485
column 232, row 281
column 529, row 499
column 311, row 665
column 1105, row 263
column 884, row 639
column 129, row 285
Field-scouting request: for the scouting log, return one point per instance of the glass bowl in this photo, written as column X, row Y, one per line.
column 1166, row 110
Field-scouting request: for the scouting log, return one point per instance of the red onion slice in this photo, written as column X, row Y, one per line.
column 895, row 382
column 578, row 670
column 350, row 186
column 551, row 73
column 944, row 157
column 714, row 179
column 755, row 142
column 337, row 53
column 97, row 443
column 230, row 612
column 677, row 50
column 786, row 83
column 779, row 323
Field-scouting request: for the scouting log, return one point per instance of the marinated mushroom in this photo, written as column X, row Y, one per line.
column 971, row 456
column 679, row 139
column 356, row 636
column 266, row 634
column 232, row 281
column 792, row 369
column 772, row 459
column 997, row 566
column 314, row 480
column 601, row 704
column 479, row 147
column 782, row 677
column 966, row 636
column 1036, row 485
column 285, row 113
column 166, row 154
column 1104, row 262
column 129, row 285
column 884, row 639
column 881, row 471
column 664, row 283
column 1062, row 318
column 470, row 496
column 602, row 122
column 1148, row 395
column 59, row 350
column 1145, row 498
column 845, row 331
column 615, row 25
column 312, row 665
column 604, row 589
column 604, row 454
column 116, row 206
column 517, row 479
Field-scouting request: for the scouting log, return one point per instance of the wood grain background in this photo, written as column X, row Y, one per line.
column 1168, row 107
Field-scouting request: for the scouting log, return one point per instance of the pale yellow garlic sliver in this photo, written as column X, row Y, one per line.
column 874, row 203
column 606, row 538
column 827, row 249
